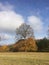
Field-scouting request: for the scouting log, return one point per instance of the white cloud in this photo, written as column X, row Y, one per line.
column 47, row 8
column 4, row 36
column 8, row 36
column 39, row 37
column 9, row 19
column 36, row 23
column 6, row 6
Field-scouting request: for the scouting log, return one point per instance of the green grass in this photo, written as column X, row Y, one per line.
column 24, row 58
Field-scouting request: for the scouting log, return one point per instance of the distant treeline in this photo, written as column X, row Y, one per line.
column 27, row 45
column 43, row 45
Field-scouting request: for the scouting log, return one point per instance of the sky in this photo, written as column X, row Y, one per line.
column 15, row 12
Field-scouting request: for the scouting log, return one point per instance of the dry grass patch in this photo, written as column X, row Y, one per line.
column 27, row 58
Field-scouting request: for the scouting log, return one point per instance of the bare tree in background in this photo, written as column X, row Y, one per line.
column 48, row 33
column 24, row 31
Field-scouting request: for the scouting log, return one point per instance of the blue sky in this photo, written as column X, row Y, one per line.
column 15, row 12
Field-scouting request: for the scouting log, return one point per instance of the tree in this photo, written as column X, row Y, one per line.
column 4, row 48
column 24, row 31
column 48, row 33
column 25, row 45
column 43, row 44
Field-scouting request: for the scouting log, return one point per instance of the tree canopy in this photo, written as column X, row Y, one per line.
column 24, row 31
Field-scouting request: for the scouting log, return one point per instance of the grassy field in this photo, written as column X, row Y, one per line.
column 27, row 58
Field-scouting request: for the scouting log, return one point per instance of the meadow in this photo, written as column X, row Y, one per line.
column 24, row 58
